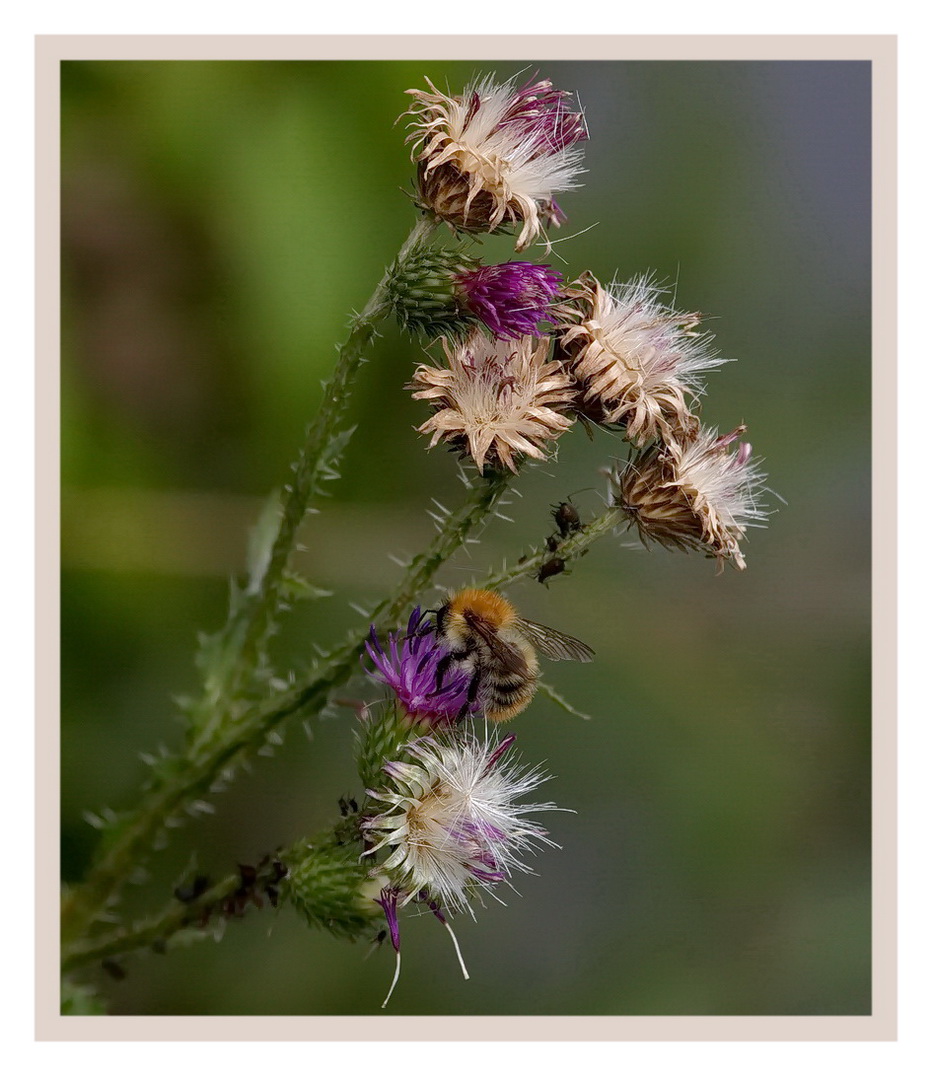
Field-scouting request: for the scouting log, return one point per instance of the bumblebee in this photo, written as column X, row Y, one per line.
column 486, row 637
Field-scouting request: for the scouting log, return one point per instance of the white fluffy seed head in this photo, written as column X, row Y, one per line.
column 453, row 824
column 637, row 360
column 699, row 493
column 496, row 154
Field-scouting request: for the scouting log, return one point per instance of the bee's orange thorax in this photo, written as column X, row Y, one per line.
column 492, row 607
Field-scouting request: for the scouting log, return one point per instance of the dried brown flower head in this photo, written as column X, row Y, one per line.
column 496, row 154
column 698, row 494
column 635, row 359
column 495, row 399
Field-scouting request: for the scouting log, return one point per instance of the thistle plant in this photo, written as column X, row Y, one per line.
column 514, row 356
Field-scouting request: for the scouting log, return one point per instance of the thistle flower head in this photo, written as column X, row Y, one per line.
column 411, row 666
column 452, row 823
column 495, row 155
column 495, row 399
column 445, row 292
column 695, row 494
column 511, row 299
column 635, row 359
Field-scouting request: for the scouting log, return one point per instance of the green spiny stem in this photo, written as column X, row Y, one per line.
column 228, row 897
column 151, row 932
column 195, row 773
column 574, row 545
column 257, row 618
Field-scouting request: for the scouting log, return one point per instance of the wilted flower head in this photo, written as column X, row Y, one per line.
column 495, row 399
column 495, row 155
column 453, row 824
column 410, row 667
column 445, row 292
column 511, row 299
column 696, row 494
column 636, row 360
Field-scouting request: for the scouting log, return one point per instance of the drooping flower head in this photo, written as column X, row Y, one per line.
column 412, row 665
column 696, row 494
column 495, row 155
column 445, row 292
column 636, row 360
column 496, row 400
column 452, row 823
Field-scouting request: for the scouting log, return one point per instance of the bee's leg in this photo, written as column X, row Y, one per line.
column 423, row 626
column 472, row 693
column 442, row 665
column 446, row 662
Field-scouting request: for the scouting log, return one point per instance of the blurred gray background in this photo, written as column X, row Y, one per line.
column 220, row 220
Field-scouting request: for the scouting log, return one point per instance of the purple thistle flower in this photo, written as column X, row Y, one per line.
column 388, row 901
column 409, row 667
column 510, row 299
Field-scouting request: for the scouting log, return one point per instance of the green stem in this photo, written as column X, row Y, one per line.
column 194, row 774
column 248, row 626
column 574, row 545
column 160, row 930
column 254, row 623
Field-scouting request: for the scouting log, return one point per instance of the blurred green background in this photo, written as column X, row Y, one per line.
column 220, row 220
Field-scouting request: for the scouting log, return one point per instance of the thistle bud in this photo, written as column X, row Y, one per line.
column 332, row 889
column 446, row 293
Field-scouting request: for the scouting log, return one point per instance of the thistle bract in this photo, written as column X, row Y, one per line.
column 425, row 294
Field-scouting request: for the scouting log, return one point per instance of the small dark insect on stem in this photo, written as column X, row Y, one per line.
column 552, row 567
column 566, row 516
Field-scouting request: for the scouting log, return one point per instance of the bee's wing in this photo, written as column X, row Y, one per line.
column 554, row 644
column 509, row 657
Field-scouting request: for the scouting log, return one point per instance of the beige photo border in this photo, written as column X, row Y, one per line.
column 881, row 1024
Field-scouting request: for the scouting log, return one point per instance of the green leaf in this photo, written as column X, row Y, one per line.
column 261, row 540
column 295, row 587
column 552, row 693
